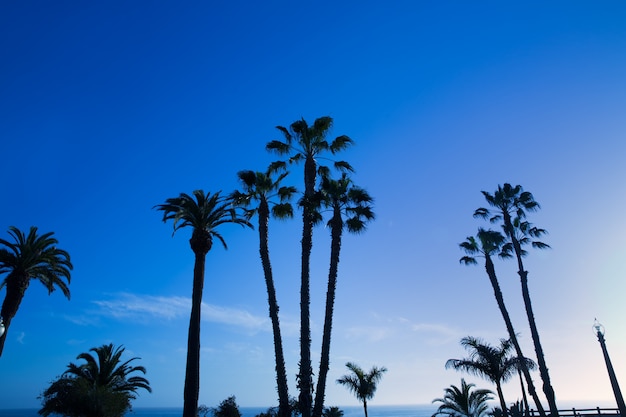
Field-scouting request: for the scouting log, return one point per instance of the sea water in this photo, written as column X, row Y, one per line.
column 349, row 411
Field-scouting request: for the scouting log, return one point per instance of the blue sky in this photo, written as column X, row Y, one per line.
column 107, row 109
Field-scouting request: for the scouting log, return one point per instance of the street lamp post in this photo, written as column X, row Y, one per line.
column 599, row 330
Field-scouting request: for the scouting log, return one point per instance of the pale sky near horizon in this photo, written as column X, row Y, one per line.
column 109, row 108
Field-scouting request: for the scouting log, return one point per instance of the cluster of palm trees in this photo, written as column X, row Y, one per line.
column 496, row 364
column 36, row 256
column 262, row 194
column 509, row 207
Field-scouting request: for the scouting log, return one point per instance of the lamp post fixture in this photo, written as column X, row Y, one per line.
column 1, row 327
column 599, row 331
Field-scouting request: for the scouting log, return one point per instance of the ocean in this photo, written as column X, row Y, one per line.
column 349, row 411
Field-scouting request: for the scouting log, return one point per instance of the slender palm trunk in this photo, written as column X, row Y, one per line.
column 305, row 374
column 505, row 411
column 541, row 362
column 281, row 373
column 335, row 248
column 16, row 287
column 365, row 406
column 524, row 398
column 491, row 272
column 200, row 244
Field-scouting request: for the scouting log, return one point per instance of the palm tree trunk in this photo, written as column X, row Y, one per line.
column 336, row 231
column 524, row 398
column 16, row 287
column 505, row 411
column 365, row 406
column 200, row 245
column 281, row 374
column 491, row 272
column 541, row 362
column 305, row 374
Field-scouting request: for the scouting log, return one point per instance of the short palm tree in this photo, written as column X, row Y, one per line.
column 494, row 363
column 204, row 213
column 486, row 244
column 511, row 205
column 351, row 208
column 307, row 143
column 101, row 387
column 362, row 385
column 259, row 188
column 463, row 402
column 27, row 257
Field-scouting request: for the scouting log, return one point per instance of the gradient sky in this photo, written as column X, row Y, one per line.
column 109, row 108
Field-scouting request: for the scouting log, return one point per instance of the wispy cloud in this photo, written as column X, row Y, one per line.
column 369, row 333
column 147, row 308
column 437, row 333
column 384, row 328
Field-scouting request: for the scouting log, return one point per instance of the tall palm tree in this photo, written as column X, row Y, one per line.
column 102, row 386
column 307, row 143
column 351, row 209
column 486, row 244
column 463, row 402
column 29, row 257
column 362, row 385
column 260, row 188
column 204, row 213
column 510, row 205
column 494, row 363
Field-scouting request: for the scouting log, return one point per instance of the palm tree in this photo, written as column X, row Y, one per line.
column 354, row 204
column 100, row 387
column 307, row 143
column 261, row 188
column 511, row 204
column 29, row 257
column 493, row 363
column 362, row 385
column 464, row 402
column 486, row 244
column 203, row 213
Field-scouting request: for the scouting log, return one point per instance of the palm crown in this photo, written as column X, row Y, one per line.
column 263, row 187
column 202, row 212
column 463, row 402
column 345, row 198
column 108, row 370
column 29, row 257
column 362, row 384
column 486, row 243
column 510, row 201
column 310, row 141
column 37, row 257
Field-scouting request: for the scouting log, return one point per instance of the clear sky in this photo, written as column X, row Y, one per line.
column 109, row 108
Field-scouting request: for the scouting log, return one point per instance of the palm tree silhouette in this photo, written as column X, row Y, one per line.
column 362, row 385
column 262, row 187
column 351, row 209
column 463, row 402
column 486, row 244
column 204, row 213
column 511, row 204
column 306, row 143
column 29, row 257
column 103, row 386
column 494, row 363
